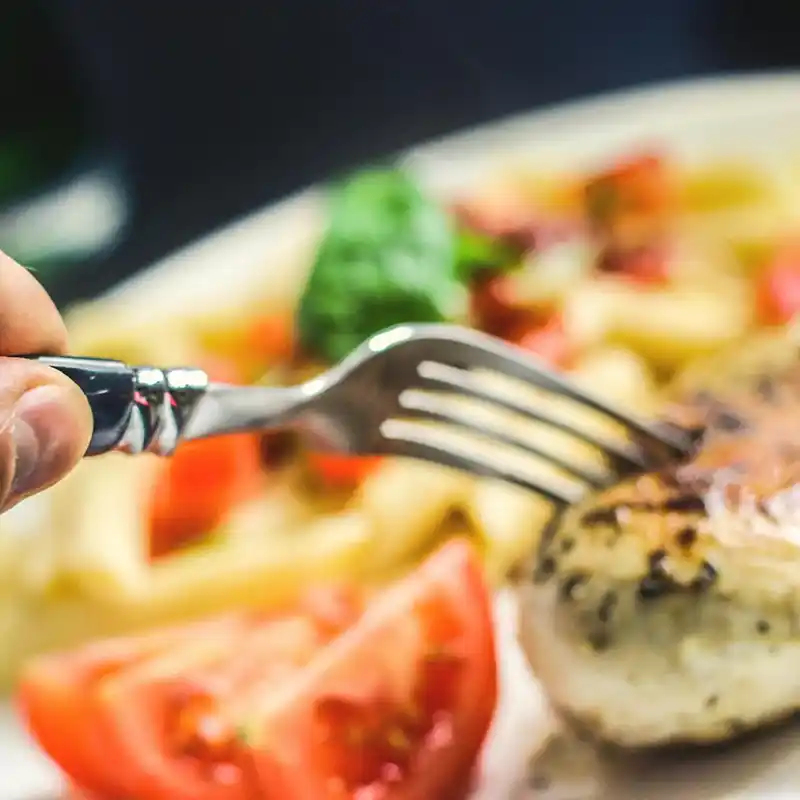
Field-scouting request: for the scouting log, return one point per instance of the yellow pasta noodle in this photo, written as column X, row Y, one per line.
column 667, row 327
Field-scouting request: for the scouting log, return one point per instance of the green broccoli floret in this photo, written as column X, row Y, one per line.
column 390, row 255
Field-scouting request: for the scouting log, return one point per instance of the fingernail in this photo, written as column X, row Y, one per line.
column 36, row 438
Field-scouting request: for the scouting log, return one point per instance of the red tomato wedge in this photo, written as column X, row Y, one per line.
column 54, row 697
column 176, row 720
column 398, row 707
column 143, row 717
column 331, row 701
column 778, row 287
column 341, row 470
column 200, row 484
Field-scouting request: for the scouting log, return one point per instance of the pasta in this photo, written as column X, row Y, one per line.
column 622, row 298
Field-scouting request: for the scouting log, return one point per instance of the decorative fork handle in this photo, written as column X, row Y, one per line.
column 148, row 409
column 135, row 409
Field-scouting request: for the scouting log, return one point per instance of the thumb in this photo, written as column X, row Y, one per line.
column 45, row 425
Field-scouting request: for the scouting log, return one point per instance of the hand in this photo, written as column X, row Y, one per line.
column 45, row 422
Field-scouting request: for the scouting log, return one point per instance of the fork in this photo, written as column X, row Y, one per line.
column 380, row 400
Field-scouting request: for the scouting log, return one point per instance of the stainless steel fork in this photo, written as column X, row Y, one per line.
column 381, row 400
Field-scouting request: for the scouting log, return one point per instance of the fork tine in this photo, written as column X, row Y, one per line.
column 441, row 377
column 401, row 439
column 466, row 348
column 456, row 420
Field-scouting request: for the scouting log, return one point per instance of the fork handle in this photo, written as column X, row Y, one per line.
column 134, row 409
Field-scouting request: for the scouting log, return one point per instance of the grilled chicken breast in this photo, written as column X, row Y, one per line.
column 667, row 608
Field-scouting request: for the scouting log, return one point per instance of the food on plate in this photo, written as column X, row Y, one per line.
column 343, row 695
column 620, row 273
column 403, row 258
column 778, row 288
column 665, row 608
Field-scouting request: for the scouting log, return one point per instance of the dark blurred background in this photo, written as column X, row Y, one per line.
column 130, row 127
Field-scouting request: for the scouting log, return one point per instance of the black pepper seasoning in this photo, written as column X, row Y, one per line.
column 686, row 537
column 570, row 584
column 727, row 421
column 607, row 605
column 545, row 569
column 706, row 577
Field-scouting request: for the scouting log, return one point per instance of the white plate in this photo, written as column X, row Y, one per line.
column 755, row 117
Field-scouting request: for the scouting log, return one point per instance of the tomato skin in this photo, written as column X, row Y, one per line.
column 74, row 792
column 778, row 288
column 175, row 720
column 54, row 698
column 342, row 470
column 419, row 656
column 366, row 680
column 547, row 340
column 199, row 485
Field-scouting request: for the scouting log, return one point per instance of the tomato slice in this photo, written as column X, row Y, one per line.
column 331, row 700
column 547, row 340
column 342, row 470
column 199, row 485
column 398, row 707
column 54, row 697
column 142, row 717
column 778, row 287
column 174, row 720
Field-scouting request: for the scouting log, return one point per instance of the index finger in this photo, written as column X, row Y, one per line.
column 29, row 321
